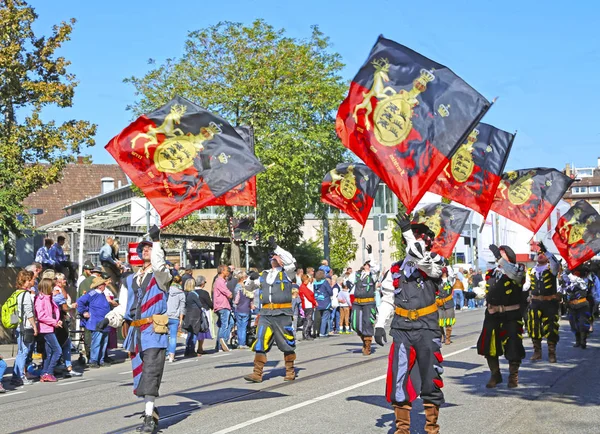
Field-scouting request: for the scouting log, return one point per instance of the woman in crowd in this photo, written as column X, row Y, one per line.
column 175, row 312
column 48, row 315
column 63, row 300
column 243, row 306
column 197, row 303
column 27, row 328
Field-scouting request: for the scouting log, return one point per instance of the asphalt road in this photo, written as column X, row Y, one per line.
column 337, row 391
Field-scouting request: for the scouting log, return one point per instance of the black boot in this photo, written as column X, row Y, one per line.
column 583, row 340
column 577, row 340
column 149, row 424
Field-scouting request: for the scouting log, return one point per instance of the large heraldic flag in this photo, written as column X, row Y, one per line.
column 351, row 187
column 475, row 170
column 446, row 222
column 405, row 116
column 577, row 234
column 528, row 196
column 182, row 157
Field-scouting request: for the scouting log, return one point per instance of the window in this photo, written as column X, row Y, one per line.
column 584, row 173
column 580, row 190
column 385, row 201
column 594, row 189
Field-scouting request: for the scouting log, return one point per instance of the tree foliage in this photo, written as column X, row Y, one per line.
column 308, row 253
column 342, row 243
column 397, row 240
column 287, row 89
column 33, row 152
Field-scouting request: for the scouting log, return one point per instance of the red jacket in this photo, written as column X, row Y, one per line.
column 307, row 295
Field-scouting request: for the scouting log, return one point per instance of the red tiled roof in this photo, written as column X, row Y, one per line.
column 80, row 181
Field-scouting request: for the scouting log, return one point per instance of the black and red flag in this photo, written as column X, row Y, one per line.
column 528, row 196
column 245, row 193
column 351, row 188
column 405, row 116
column 475, row 170
column 577, row 234
column 182, row 157
column 446, row 222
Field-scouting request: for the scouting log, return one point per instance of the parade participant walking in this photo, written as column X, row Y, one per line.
column 364, row 308
column 502, row 332
column 445, row 303
column 542, row 315
column 222, row 305
column 275, row 321
column 143, row 304
column 577, row 294
column 415, row 329
column 308, row 304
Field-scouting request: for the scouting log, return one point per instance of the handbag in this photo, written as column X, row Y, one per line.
column 160, row 324
column 204, row 324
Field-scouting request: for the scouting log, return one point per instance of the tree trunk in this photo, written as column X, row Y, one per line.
column 235, row 255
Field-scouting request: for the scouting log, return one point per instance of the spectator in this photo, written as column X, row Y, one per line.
column 299, row 273
column 296, row 306
column 325, row 268
column 243, row 302
column 110, row 264
column 197, row 303
column 43, row 254
column 349, row 276
column 187, row 275
column 334, row 321
column 48, row 315
column 222, row 306
column 57, row 254
column 308, row 303
column 85, row 274
column 94, row 306
column 27, row 328
column 2, row 371
column 323, row 294
column 175, row 312
column 458, row 287
column 345, row 305
column 63, row 301
column 311, row 273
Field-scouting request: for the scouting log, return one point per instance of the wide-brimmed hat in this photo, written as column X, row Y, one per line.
column 98, row 281
column 88, row 265
column 140, row 247
column 510, row 254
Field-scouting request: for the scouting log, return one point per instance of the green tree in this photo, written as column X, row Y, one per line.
column 342, row 243
column 287, row 89
column 308, row 253
column 33, row 152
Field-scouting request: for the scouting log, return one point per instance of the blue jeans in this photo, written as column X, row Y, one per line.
column 23, row 354
column 99, row 344
column 2, row 368
column 190, row 343
column 242, row 324
column 66, row 352
column 334, row 320
column 173, row 327
column 224, row 324
column 459, row 299
column 53, row 352
column 325, row 322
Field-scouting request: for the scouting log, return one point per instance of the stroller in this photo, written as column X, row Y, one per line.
column 250, row 332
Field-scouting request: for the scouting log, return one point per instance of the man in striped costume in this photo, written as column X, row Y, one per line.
column 143, row 306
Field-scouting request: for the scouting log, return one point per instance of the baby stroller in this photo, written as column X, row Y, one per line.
column 250, row 332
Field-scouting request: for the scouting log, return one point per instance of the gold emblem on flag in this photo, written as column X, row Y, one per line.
column 176, row 154
column 394, row 111
column 343, row 185
column 462, row 163
column 433, row 221
column 519, row 191
column 574, row 228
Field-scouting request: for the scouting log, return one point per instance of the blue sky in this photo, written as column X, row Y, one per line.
column 540, row 58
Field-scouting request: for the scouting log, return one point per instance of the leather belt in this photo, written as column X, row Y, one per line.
column 578, row 301
column 141, row 322
column 502, row 308
column 364, row 300
column 415, row 314
column 442, row 301
column 545, row 297
column 277, row 306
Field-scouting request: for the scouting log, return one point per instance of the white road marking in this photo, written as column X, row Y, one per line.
column 314, row 400
column 71, row 382
column 220, row 355
column 123, row 373
column 11, row 393
column 180, row 362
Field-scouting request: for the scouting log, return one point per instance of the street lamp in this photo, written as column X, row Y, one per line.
column 33, row 212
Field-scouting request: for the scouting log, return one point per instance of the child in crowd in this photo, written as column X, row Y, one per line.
column 345, row 305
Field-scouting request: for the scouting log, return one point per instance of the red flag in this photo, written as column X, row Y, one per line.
column 182, row 157
column 577, row 234
column 405, row 116
column 446, row 222
column 475, row 170
column 528, row 196
column 351, row 187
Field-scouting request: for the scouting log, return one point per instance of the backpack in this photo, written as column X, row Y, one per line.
column 10, row 317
